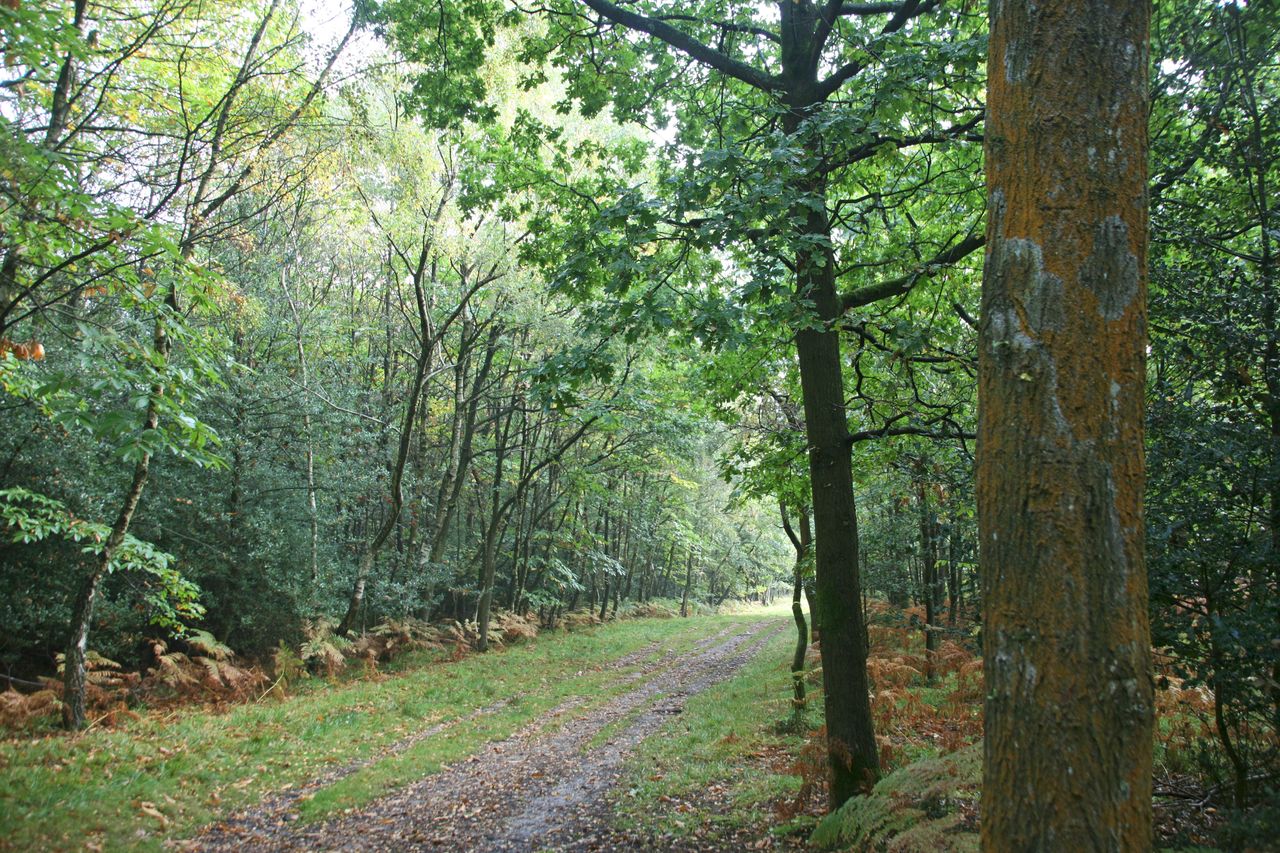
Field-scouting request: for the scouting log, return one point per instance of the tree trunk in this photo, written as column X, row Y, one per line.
column 688, row 582
column 462, row 434
column 74, row 673
column 801, row 543
column 953, row 575
column 929, row 580
column 815, row 633
column 370, row 551
column 1239, row 767
column 1068, row 745
column 852, row 753
column 488, row 562
column 489, row 568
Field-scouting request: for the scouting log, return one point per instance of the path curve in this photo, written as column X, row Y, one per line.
column 541, row 789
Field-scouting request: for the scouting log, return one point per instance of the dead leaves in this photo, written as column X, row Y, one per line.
column 32, row 350
column 21, row 710
column 149, row 810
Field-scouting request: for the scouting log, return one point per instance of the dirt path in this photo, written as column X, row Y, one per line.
column 542, row 788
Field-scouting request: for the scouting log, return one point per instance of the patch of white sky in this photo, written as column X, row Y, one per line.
column 326, row 21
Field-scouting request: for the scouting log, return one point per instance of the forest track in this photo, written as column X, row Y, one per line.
column 542, row 788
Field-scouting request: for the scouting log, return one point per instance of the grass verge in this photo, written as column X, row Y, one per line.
column 715, row 773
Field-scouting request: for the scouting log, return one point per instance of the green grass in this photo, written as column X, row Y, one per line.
column 618, row 726
column 428, row 755
column 717, row 744
column 105, row 787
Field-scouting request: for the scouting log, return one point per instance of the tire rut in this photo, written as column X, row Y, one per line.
column 540, row 788
column 278, row 808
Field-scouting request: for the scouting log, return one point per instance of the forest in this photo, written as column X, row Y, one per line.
column 594, row 425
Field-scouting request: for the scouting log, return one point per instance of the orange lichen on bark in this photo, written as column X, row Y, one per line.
column 1060, row 469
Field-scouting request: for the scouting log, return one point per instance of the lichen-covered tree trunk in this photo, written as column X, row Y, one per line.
column 1067, row 762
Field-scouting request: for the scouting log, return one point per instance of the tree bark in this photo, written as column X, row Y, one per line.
column 1068, row 746
column 74, row 670
column 953, row 573
column 929, row 579
column 852, row 753
column 801, row 542
column 688, row 583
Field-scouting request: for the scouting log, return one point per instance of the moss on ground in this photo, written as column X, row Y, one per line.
column 929, row 805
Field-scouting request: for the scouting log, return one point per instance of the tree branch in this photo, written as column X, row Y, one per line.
column 904, row 283
column 902, row 12
column 872, row 146
column 687, row 44
column 925, row 432
column 745, row 29
column 859, row 9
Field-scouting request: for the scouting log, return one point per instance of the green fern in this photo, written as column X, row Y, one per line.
column 206, row 645
column 287, row 667
column 324, row 649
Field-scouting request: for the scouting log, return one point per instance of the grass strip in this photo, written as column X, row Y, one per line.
column 707, row 772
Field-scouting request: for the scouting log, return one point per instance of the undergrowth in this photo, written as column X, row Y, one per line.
column 929, row 805
column 740, row 759
column 196, row 669
column 929, row 731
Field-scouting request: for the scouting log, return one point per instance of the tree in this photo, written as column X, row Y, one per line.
column 99, row 129
column 1069, row 708
column 801, row 542
column 279, row 225
column 771, row 132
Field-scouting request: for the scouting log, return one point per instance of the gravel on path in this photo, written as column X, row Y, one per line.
column 544, row 788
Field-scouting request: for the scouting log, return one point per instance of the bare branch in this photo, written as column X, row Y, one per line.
column 686, row 44
column 903, row 283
